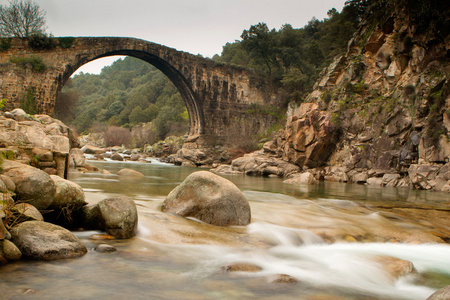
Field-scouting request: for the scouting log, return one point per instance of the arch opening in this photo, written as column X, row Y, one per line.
column 196, row 119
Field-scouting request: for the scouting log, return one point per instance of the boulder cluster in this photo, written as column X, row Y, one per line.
column 37, row 210
column 38, row 207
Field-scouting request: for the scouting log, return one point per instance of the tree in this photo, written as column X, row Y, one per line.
column 22, row 18
column 258, row 41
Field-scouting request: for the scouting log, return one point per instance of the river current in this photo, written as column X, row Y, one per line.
column 329, row 237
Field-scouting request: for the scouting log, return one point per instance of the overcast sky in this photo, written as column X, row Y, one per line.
column 195, row 26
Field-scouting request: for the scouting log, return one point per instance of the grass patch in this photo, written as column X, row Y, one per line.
column 33, row 62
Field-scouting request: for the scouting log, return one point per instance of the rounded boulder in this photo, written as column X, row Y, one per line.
column 209, row 198
column 116, row 216
column 46, row 241
column 129, row 173
column 33, row 186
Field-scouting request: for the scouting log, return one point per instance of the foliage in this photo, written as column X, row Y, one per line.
column 2, row 104
column 125, row 94
column 35, row 63
column 293, row 57
column 430, row 15
column 117, row 136
column 21, row 18
column 66, row 42
column 29, row 104
column 41, row 42
column 5, row 44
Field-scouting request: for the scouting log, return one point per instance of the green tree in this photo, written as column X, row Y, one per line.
column 22, row 18
column 137, row 116
column 259, row 43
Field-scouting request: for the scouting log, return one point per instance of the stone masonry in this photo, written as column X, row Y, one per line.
column 214, row 93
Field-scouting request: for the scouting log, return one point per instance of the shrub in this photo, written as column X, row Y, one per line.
column 66, row 42
column 34, row 62
column 5, row 44
column 2, row 104
column 117, row 136
column 41, row 42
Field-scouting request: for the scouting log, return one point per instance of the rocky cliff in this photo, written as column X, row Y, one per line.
column 380, row 114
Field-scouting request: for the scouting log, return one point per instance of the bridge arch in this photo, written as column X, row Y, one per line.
column 215, row 94
column 196, row 118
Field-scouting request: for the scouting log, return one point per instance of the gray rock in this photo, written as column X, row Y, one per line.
column 116, row 216
column 45, row 241
column 442, row 294
column 4, row 234
column 8, row 182
column 3, row 188
column 68, row 201
column 9, row 251
column 88, row 149
column 391, row 179
column 360, row 177
column 67, row 194
column 303, row 178
column 209, row 198
column 42, row 154
column 28, row 211
column 116, row 156
column 78, row 157
column 105, row 248
column 129, row 173
column 32, row 185
column 375, row 181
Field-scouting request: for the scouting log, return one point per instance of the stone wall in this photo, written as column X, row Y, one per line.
column 214, row 94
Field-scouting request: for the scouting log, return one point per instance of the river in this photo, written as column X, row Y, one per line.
column 329, row 237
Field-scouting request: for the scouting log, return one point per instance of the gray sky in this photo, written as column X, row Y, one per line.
column 195, row 26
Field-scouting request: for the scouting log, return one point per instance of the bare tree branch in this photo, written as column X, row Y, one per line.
column 21, row 18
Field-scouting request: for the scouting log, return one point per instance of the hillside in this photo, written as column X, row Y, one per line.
column 125, row 94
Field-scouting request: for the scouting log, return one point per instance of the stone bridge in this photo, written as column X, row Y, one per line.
column 215, row 94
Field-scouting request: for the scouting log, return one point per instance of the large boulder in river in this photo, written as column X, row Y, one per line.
column 116, row 216
column 67, row 194
column 129, row 173
column 67, row 204
column 32, row 185
column 46, row 241
column 209, row 198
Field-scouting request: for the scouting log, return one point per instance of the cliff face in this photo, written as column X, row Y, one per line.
column 388, row 103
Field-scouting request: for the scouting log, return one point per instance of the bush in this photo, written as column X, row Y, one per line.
column 41, row 42
column 66, row 42
column 34, row 62
column 117, row 136
column 2, row 104
column 5, row 44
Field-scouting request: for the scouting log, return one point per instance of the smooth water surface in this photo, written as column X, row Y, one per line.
column 306, row 232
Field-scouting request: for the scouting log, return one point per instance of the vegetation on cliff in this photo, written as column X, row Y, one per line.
column 293, row 57
column 388, row 100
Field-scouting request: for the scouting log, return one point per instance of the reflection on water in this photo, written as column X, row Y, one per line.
column 291, row 230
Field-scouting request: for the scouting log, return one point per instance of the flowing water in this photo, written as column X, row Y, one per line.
column 333, row 240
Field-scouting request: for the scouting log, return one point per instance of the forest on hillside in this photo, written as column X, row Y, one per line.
column 125, row 94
